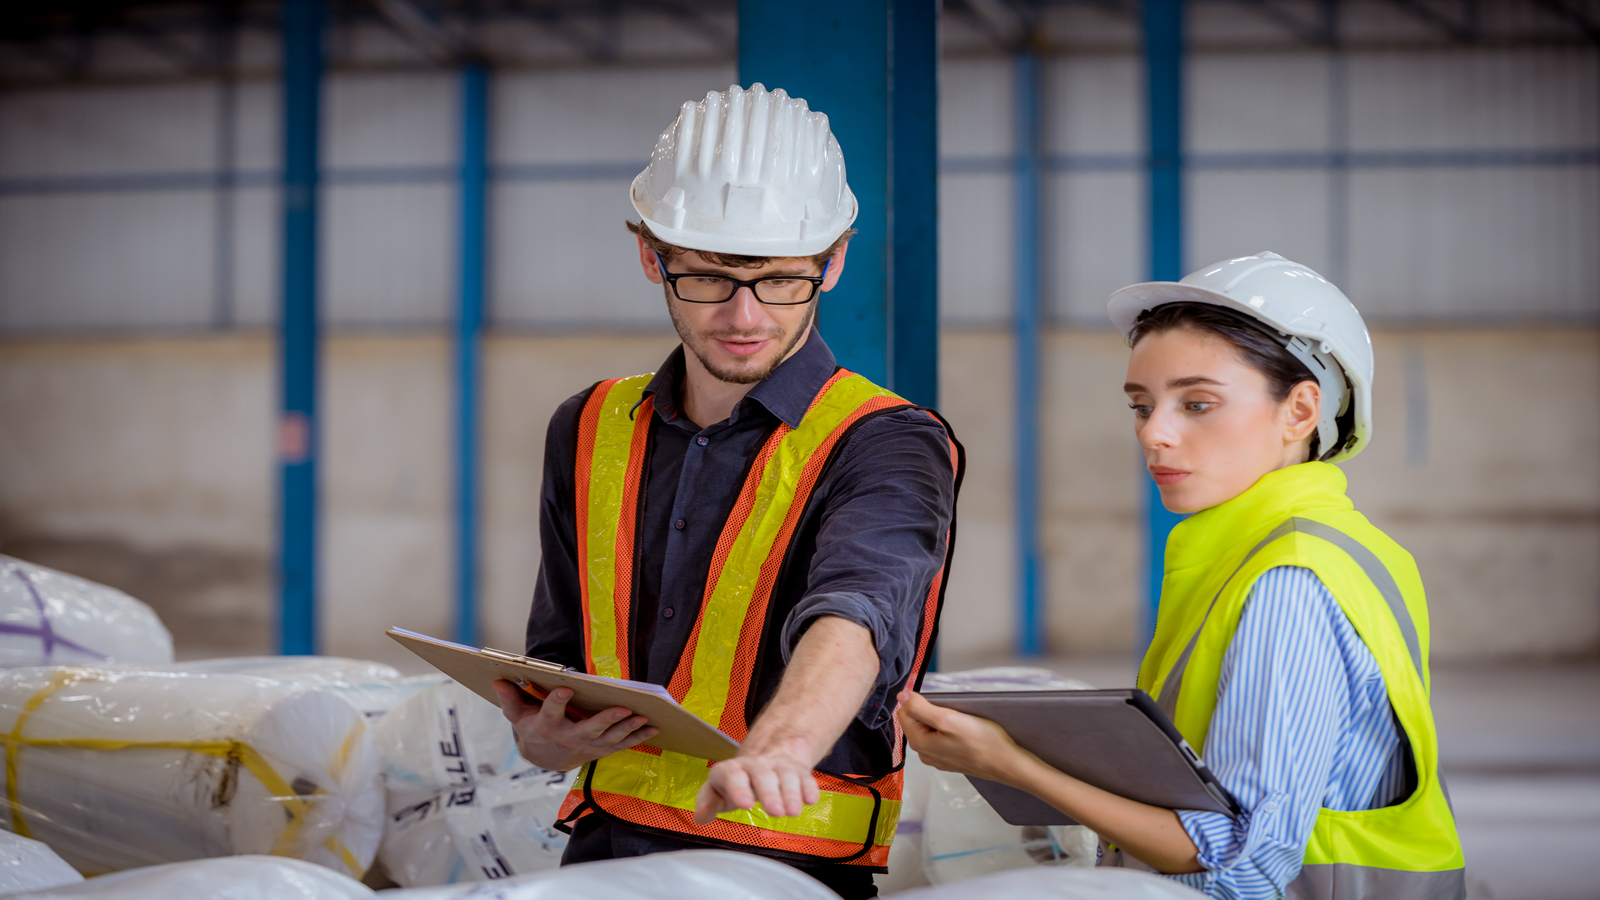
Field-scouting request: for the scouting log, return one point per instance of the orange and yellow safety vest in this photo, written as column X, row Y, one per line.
column 854, row 822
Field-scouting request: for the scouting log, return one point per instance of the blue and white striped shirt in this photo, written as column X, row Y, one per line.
column 1302, row 723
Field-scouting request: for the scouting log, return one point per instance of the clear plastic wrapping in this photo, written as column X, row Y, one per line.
column 948, row 832
column 118, row 768
column 229, row 878
column 463, row 805
column 373, row 688
column 1059, row 884
column 29, row 865
column 49, row 617
column 1001, row 678
column 678, row 875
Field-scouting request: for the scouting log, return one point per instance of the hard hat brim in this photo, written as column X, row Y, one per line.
column 743, row 244
column 1127, row 303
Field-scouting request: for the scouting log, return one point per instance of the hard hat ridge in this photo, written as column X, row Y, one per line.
column 748, row 172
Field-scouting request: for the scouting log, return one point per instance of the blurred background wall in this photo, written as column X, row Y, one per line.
column 1439, row 159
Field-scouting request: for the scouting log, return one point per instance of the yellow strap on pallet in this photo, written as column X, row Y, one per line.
column 246, row 755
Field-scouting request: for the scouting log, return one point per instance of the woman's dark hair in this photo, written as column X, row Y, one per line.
column 1261, row 348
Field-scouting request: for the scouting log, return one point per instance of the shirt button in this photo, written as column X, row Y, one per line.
column 666, row 613
column 679, row 524
column 701, row 441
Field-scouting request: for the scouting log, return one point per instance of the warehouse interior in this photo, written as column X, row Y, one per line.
column 287, row 424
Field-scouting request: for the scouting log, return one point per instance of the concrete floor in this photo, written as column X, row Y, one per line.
column 1520, row 750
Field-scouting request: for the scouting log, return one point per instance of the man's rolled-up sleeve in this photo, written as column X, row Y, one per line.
column 883, row 534
column 555, row 621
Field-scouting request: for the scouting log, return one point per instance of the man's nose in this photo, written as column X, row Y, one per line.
column 745, row 310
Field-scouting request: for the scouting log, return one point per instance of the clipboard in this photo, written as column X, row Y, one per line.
column 478, row 669
column 1117, row 740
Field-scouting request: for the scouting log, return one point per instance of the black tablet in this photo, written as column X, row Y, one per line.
column 1117, row 740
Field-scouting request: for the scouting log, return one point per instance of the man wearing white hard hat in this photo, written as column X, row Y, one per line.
column 758, row 530
column 1291, row 643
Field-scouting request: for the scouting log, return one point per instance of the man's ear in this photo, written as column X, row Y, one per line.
column 647, row 260
column 1303, row 410
column 835, row 267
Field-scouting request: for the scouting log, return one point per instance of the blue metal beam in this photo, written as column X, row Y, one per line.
column 469, row 325
column 835, row 55
column 1031, row 627
column 1163, row 56
column 914, row 201
column 303, row 22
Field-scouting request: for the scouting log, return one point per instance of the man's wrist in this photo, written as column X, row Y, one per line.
column 796, row 747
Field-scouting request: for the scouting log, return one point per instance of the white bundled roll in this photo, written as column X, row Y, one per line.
column 963, row 837
column 29, row 865
column 496, row 828
column 371, row 687
column 444, row 737
column 1074, row 884
column 463, row 805
column 1001, row 678
column 119, row 768
column 49, row 617
column 678, row 875
column 229, row 878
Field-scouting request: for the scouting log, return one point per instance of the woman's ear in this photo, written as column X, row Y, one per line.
column 1302, row 410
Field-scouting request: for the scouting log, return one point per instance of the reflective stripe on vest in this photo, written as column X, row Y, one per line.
column 855, row 820
column 1407, row 850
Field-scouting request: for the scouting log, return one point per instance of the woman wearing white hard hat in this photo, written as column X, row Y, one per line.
column 1291, row 644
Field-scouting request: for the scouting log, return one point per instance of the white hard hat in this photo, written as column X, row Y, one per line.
column 1319, row 322
column 746, row 172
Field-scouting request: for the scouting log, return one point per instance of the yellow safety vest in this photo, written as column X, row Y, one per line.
column 855, row 820
column 1300, row 516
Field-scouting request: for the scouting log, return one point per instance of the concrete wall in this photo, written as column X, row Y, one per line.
column 1483, row 466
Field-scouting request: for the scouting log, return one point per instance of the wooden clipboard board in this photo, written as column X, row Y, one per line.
column 478, row 669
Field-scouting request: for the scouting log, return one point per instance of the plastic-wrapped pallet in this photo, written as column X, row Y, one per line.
column 228, row 878
column 495, row 828
column 960, row 836
column 50, row 618
column 1001, row 678
column 963, row 837
column 371, row 687
column 29, row 865
column 1058, row 884
column 120, row 768
column 679, row 875
column 463, row 805
column 444, row 736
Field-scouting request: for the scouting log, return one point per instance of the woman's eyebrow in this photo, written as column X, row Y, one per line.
column 1191, row 381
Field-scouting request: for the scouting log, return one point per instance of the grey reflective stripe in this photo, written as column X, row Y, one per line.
column 1347, row 881
column 1371, row 566
column 1377, row 573
column 1168, row 701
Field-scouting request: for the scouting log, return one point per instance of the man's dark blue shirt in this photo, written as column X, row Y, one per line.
column 871, row 541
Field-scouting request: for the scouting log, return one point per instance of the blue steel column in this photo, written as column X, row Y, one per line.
column 297, row 562
column 914, row 201
column 469, row 324
column 1163, row 55
column 1028, row 321
column 835, row 55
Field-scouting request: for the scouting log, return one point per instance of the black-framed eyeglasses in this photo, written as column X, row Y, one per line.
column 772, row 290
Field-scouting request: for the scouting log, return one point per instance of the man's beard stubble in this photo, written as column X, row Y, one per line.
column 746, row 375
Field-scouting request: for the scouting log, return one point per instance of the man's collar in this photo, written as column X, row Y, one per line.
column 786, row 393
